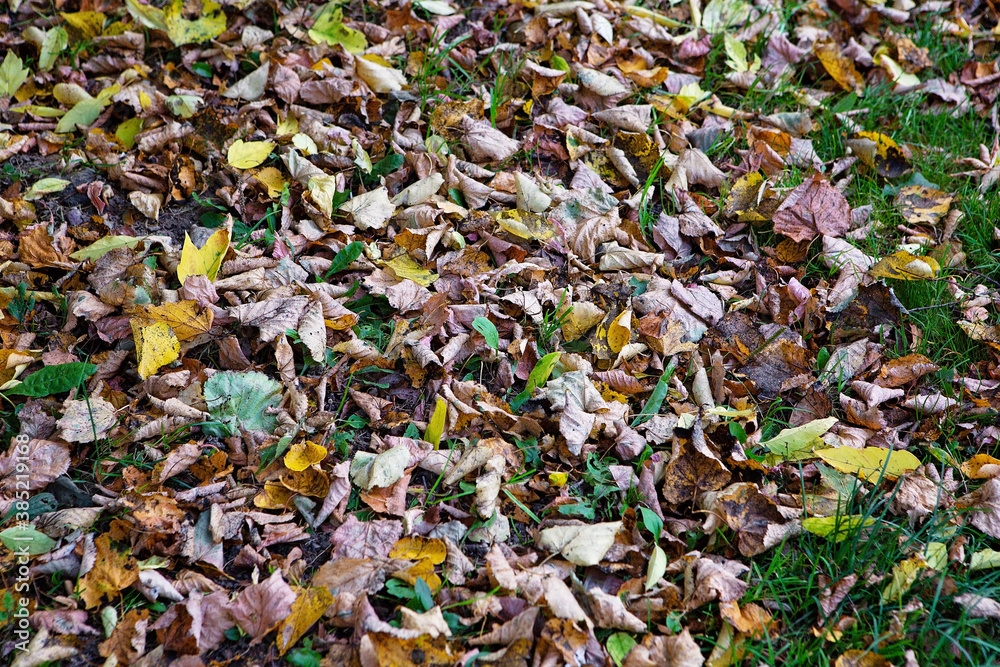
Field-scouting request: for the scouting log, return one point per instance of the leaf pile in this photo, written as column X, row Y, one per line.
column 485, row 333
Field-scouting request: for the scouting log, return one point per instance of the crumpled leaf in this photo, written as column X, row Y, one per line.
column 580, row 544
column 111, row 573
column 87, row 420
column 260, row 607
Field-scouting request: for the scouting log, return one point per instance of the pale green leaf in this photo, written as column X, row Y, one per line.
column 12, row 74
column 241, row 400
column 797, row 443
column 45, row 186
column 101, row 247
column 329, row 28
column 28, row 538
column 83, row 113
column 56, row 41
column 657, row 567
column 184, row 106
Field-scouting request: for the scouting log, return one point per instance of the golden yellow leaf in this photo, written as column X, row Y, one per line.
column 420, row 548
column 421, row 569
column 301, row 455
column 839, row 67
column 620, row 331
column 248, row 154
column 186, row 318
column 879, row 152
column 306, row 610
column 558, row 479
column 981, row 466
column 84, row 25
column 870, row 463
column 203, row 261
column 155, row 346
column 308, row 482
column 404, row 266
column 111, row 573
column 274, row 496
column 905, row 266
column 435, row 428
column 272, row 179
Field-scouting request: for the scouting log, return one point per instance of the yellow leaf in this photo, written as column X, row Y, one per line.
column 558, row 479
column 308, row 482
column 422, row 569
column 420, row 548
column 904, row 574
column 209, row 25
column 272, row 180
column 306, row 610
column 525, row 225
column 274, row 496
column 204, row 261
column 620, row 331
column 186, row 318
column 435, row 428
column 870, row 463
column 112, row 572
column 155, row 346
column 248, row 154
column 406, row 267
column 905, row 266
column 836, row 528
column 981, row 466
column 85, row 25
column 304, row 454
column 879, row 152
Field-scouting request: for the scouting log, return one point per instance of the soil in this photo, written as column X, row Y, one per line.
column 74, row 207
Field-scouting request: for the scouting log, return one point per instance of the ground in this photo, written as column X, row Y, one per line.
column 463, row 333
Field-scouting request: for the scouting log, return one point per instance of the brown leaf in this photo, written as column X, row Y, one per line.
column 692, row 469
column 128, row 640
column 260, row 607
column 813, row 209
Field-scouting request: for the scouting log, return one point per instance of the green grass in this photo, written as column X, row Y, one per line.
column 788, row 580
column 796, row 573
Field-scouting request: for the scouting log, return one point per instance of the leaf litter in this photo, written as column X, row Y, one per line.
column 471, row 333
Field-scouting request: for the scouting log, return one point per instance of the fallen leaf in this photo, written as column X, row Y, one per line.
column 204, row 261
column 156, row 345
column 870, row 463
